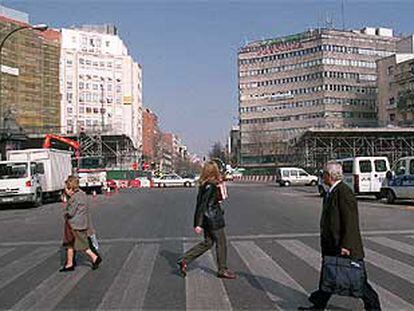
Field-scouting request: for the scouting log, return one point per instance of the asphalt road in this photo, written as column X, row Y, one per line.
column 273, row 247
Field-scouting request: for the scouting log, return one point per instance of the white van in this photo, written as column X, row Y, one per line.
column 399, row 183
column 286, row 176
column 364, row 175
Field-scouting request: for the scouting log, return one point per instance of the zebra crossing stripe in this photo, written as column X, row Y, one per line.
column 204, row 291
column 48, row 294
column 389, row 301
column 398, row 268
column 129, row 288
column 4, row 251
column 279, row 286
column 397, row 245
column 15, row 269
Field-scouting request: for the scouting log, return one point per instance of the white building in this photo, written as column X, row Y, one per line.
column 101, row 85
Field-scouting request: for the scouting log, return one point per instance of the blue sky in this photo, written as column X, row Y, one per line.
column 188, row 49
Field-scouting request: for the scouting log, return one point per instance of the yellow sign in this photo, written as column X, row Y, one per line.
column 127, row 100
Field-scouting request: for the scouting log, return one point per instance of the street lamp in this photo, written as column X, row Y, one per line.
column 39, row 27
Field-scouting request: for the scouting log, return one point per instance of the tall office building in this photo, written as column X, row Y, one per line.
column 318, row 78
column 101, row 84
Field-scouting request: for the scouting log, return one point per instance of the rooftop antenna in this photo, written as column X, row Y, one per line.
column 343, row 13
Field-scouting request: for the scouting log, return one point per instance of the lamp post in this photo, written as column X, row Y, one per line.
column 39, row 27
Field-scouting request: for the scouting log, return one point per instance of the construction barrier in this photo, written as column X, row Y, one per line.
column 256, row 178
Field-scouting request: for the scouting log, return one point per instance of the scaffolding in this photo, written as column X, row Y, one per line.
column 116, row 151
column 317, row 146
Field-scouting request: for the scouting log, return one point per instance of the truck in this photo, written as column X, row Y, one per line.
column 92, row 175
column 89, row 169
column 33, row 175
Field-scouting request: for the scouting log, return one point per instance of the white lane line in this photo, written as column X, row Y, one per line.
column 280, row 287
column 190, row 239
column 389, row 301
column 204, row 291
column 131, row 283
column 16, row 268
column 398, row 268
column 48, row 294
column 394, row 244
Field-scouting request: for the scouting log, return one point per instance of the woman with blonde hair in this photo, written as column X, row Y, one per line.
column 209, row 218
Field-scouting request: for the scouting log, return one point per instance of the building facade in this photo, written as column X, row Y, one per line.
column 234, row 145
column 396, row 90
column 101, row 84
column 318, row 78
column 30, row 93
column 151, row 136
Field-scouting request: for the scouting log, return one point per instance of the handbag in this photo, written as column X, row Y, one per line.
column 68, row 236
column 343, row 276
column 222, row 192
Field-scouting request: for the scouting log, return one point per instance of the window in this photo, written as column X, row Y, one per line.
column 81, row 85
column 293, row 173
column 365, row 166
column 95, row 110
column 107, row 43
column 88, row 109
column 390, row 70
column 400, row 168
column 81, row 109
column 303, row 173
column 380, row 166
column 347, row 167
column 69, row 97
column 69, row 110
column 412, row 167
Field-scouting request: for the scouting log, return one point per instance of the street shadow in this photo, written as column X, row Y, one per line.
column 288, row 298
column 172, row 259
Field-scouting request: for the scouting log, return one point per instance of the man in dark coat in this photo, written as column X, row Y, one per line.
column 340, row 234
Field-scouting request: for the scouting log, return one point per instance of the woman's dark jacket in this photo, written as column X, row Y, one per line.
column 208, row 214
column 340, row 223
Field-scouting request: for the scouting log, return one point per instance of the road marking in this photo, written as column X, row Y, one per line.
column 204, row 291
column 389, row 301
column 131, row 283
column 280, row 287
column 48, row 294
column 4, row 251
column 13, row 270
column 190, row 239
column 397, row 245
column 398, row 268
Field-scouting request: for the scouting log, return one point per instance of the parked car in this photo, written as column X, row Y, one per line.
column 399, row 182
column 287, row 176
column 174, row 180
column 365, row 175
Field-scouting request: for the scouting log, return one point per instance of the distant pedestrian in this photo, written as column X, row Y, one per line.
column 343, row 269
column 209, row 218
column 77, row 225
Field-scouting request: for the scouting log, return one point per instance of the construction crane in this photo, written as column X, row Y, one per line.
column 47, row 143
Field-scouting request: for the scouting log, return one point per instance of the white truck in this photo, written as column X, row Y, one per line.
column 92, row 175
column 31, row 175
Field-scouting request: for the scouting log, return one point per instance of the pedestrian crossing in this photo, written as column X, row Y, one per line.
column 263, row 265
